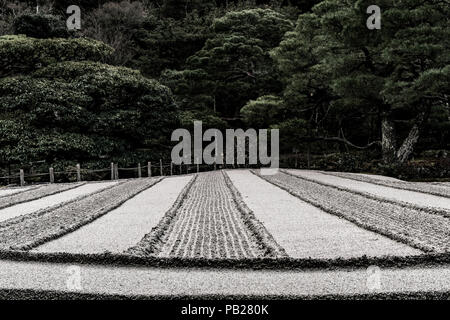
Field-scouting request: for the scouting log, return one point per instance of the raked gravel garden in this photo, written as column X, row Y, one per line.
column 297, row 233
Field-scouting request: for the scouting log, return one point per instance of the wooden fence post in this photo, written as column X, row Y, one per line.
column 52, row 175
column 139, row 171
column 160, row 168
column 149, row 169
column 116, row 171
column 198, row 166
column 215, row 166
column 78, row 172
column 112, row 171
column 22, row 178
column 171, row 168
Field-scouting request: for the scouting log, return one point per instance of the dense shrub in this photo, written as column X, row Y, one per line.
column 420, row 170
column 82, row 111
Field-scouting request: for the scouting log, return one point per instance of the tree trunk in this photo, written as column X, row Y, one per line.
column 407, row 147
column 388, row 143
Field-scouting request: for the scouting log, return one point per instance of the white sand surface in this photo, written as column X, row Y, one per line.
column 39, row 204
column 125, row 226
column 306, row 231
column 413, row 197
column 153, row 281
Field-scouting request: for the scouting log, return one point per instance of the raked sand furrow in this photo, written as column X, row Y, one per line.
column 49, row 201
column 141, row 281
column 384, row 192
column 208, row 200
column 123, row 227
column 306, row 231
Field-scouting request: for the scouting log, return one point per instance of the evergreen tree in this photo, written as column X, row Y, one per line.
column 235, row 64
column 166, row 43
column 393, row 75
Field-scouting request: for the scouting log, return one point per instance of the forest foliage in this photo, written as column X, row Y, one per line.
column 138, row 69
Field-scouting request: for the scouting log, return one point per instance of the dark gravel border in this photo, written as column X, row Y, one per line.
column 31, row 294
column 114, row 259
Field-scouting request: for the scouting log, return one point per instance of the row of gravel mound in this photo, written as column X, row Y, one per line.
column 208, row 225
column 386, row 197
column 7, row 192
column 152, row 242
column 17, row 212
column 305, row 231
column 434, row 189
column 36, row 193
column 287, row 263
column 416, row 228
column 124, row 226
column 209, row 221
column 266, row 240
column 37, row 228
column 32, row 294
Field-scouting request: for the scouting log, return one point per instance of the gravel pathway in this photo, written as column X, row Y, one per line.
column 171, row 282
column 306, row 231
column 52, row 200
column 430, row 188
column 417, row 228
column 382, row 191
column 38, row 193
column 123, row 227
column 208, row 224
column 42, row 226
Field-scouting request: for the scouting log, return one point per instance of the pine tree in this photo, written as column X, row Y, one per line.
column 393, row 75
column 236, row 63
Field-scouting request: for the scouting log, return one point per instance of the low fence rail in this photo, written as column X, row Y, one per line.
column 114, row 172
column 152, row 168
